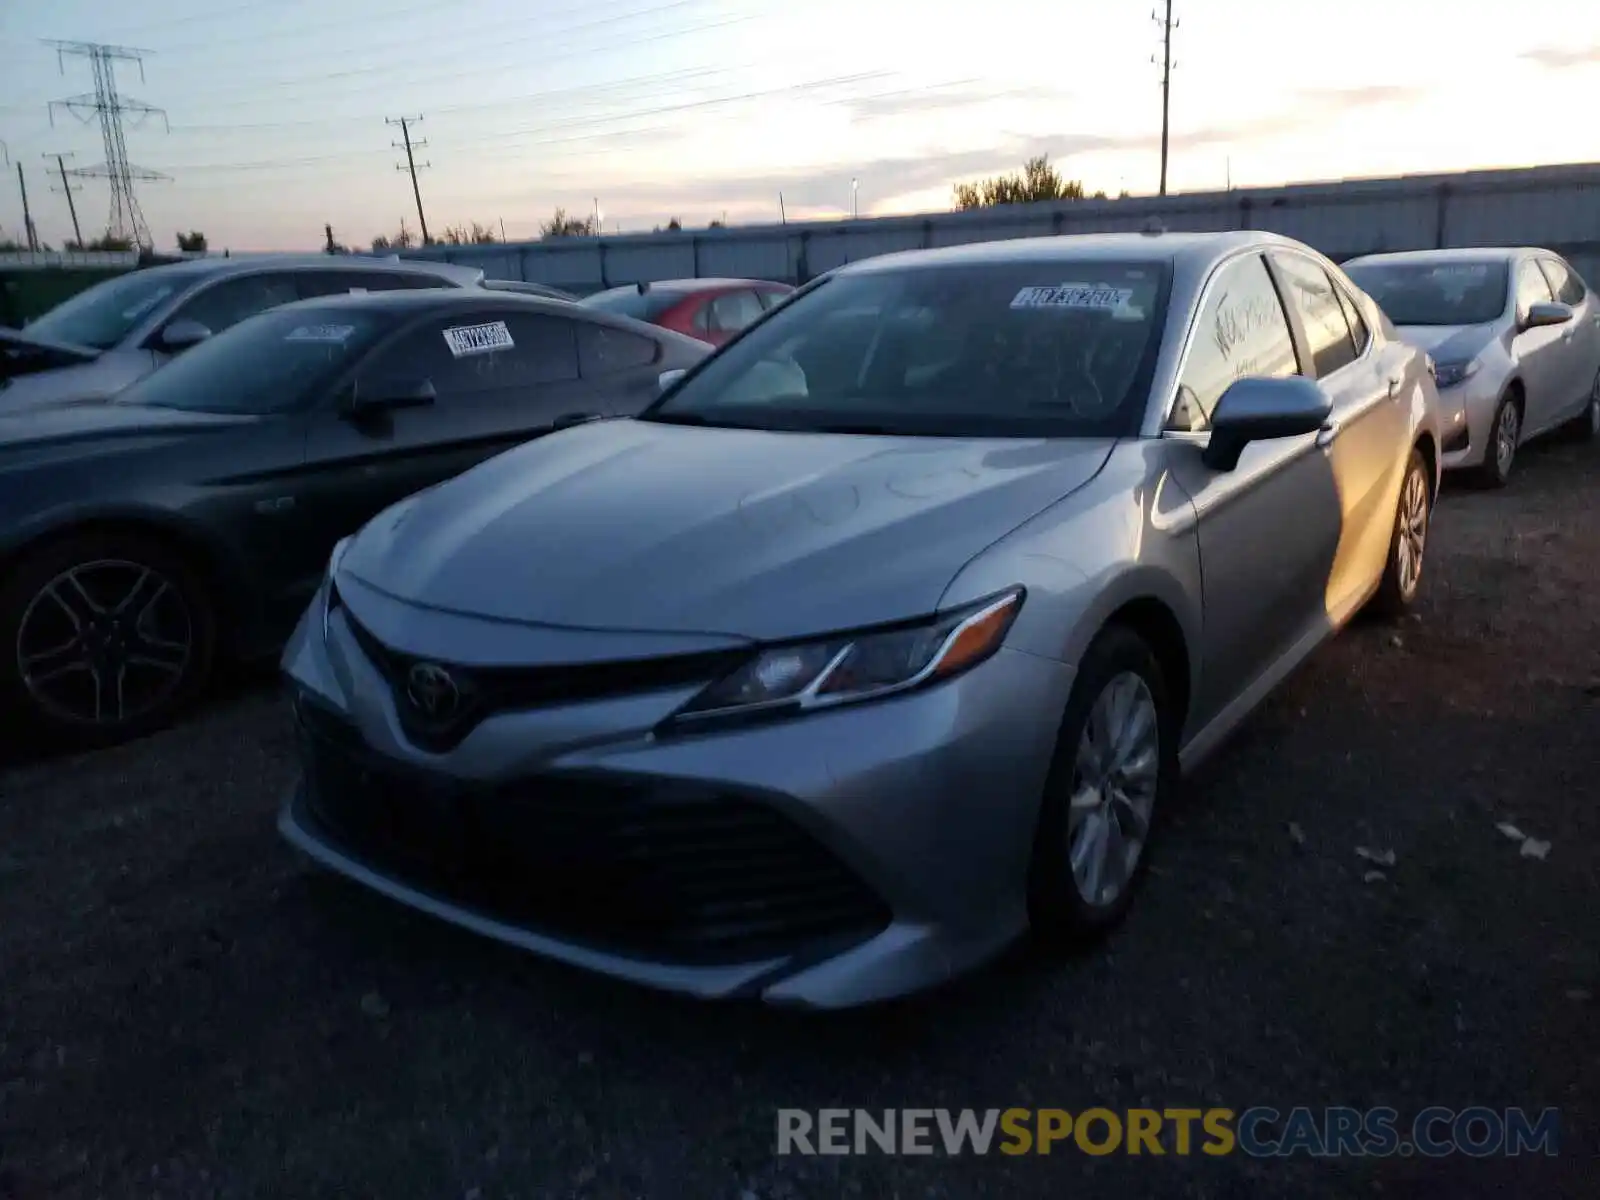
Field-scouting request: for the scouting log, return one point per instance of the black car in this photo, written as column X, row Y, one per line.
column 191, row 516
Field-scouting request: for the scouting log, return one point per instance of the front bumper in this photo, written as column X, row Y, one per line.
column 1466, row 420
column 850, row 855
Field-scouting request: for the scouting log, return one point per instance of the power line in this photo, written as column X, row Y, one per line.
column 467, row 49
column 405, row 124
column 1167, row 64
column 127, row 220
column 476, row 71
column 510, row 137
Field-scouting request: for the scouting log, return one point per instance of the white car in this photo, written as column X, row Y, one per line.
column 1514, row 334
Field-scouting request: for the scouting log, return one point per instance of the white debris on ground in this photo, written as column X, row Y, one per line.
column 1532, row 847
column 1383, row 858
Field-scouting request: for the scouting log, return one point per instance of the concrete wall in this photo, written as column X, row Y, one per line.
column 1554, row 207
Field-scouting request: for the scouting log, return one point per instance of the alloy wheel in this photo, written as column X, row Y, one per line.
column 1413, row 532
column 1116, row 773
column 1506, row 432
column 105, row 642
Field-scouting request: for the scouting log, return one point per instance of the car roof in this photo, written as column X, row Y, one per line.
column 1190, row 250
column 412, row 301
column 195, row 269
column 419, row 299
column 1453, row 254
column 685, row 287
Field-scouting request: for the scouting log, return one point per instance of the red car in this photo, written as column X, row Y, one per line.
column 712, row 310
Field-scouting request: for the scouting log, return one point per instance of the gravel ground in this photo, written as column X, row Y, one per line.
column 189, row 1010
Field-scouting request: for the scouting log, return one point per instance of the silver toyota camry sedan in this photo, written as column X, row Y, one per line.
column 883, row 636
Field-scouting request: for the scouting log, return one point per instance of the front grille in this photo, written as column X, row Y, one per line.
column 643, row 869
column 488, row 690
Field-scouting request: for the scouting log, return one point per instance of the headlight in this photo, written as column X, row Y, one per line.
column 860, row 666
column 1448, row 374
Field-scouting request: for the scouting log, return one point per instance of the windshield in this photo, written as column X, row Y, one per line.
column 273, row 362
column 1043, row 349
column 629, row 302
column 1439, row 293
column 101, row 316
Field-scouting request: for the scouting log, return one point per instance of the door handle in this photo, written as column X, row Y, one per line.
column 1327, row 433
column 1394, row 384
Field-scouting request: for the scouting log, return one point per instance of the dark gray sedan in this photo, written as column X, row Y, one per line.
column 192, row 515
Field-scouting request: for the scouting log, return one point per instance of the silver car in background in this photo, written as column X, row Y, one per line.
column 1515, row 339
column 94, row 344
column 883, row 636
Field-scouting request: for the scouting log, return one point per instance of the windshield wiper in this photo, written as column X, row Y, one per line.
column 861, row 427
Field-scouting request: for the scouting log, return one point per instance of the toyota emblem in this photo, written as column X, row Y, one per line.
column 432, row 691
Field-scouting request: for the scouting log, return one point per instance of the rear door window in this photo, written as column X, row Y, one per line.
column 1315, row 298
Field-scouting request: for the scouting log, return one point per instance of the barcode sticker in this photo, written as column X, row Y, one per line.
column 478, row 339
column 338, row 334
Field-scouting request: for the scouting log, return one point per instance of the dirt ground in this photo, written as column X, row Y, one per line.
column 187, row 1010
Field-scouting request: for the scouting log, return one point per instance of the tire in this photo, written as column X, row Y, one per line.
column 1495, row 469
column 61, row 645
column 1408, row 541
column 1585, row 427
column 1061, row 909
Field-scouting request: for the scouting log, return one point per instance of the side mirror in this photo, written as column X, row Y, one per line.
column 384, row 395
column 668, row 378
column 182, row 334
column 1546, row 313
column 1254, row 410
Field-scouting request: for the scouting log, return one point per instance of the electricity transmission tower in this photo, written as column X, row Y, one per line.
column 1167, row 64
column 110, row 106
column 409, row 146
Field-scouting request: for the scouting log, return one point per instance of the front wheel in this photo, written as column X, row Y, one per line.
column 1115, row 764
column 1408, row 542
column 103, row 637
column 1505, row 436
column 1586, row 426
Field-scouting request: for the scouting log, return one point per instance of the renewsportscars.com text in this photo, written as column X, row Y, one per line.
column 1258, row 1132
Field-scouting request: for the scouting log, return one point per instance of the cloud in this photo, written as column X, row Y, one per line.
column 915, row 102
column 825, row 189
column 1555, row 58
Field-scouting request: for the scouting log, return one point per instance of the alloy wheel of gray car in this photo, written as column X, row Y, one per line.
column 103, row 640
column 1114, row 763
column 1504, row 437
column 1408, row 544
column 1586, row 427
column 1114, row 786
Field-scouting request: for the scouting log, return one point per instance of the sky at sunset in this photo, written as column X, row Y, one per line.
column 702, row 109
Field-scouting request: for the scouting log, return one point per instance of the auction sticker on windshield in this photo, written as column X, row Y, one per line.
column 337, row 334
column 1461, row 270
column 1073, row 295
column 478, row 339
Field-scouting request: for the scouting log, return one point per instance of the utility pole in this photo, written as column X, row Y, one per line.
column 110, row 106
column 405, row 124
column 68, row 188
column 1167, row 26
column 27, row 215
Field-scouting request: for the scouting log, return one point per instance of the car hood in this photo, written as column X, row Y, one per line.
column 21, row 339
column 1448, row 343
column 647, row 527
column 87, row 422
